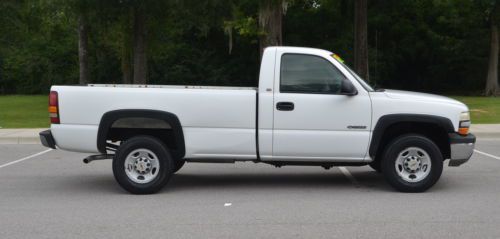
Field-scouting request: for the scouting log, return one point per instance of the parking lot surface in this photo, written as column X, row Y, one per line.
column 54, row 195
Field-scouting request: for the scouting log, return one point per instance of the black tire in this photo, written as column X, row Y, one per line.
column 397, row 146
column 178, row 165
column 376, row 165
column 166, row 165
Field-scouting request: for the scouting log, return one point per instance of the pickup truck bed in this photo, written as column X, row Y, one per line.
column 216, row 121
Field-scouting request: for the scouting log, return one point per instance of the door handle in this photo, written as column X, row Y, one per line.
column 285, row 106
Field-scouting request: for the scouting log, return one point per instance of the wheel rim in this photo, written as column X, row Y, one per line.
column 413, row 164
column 142, row 166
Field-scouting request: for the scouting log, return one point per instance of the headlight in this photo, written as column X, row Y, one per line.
column 464, row 124
column 465, row 116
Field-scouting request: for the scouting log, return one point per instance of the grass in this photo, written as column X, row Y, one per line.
column 484, row 110
column 30, row 111
column 24, row 111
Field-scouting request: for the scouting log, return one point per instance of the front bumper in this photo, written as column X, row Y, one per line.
column 47, row 139
column 461, row 148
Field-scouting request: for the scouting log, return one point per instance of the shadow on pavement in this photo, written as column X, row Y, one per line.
column 367, row 180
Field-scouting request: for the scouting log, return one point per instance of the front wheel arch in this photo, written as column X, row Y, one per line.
column 389, row 127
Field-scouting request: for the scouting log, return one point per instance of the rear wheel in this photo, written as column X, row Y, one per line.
column 142, row 165
column 412, row 163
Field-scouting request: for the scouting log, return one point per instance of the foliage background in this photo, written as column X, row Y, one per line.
column 425, row 45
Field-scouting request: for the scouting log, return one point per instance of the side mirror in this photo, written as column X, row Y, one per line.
column 348, row 88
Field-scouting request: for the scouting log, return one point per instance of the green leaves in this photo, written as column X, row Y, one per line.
column 438, row 45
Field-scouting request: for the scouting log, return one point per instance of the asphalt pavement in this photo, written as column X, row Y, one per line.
column 52, row 194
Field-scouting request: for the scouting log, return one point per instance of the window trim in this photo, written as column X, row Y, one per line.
column 311, row 93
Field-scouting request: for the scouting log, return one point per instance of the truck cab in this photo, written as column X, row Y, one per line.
column 319, row 111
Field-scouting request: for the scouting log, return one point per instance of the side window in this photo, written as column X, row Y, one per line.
column 309, row 74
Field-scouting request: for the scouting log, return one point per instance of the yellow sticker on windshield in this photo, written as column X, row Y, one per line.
column 337, row 57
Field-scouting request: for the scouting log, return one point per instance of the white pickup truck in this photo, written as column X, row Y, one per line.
column 309, row 109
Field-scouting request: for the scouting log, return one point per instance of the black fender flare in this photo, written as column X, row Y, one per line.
column 110, row 117
column 386, row 121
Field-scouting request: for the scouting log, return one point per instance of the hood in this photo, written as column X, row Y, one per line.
column 409, row 95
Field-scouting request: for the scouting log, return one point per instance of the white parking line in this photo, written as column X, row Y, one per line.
column 487, row 154
column 348, row 175
column 25, row 158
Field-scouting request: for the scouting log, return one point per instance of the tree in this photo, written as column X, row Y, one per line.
column 118, row 18
column 82, row 9
column 361, row 39
column 434, row 46
column 492, row 88
column 83, row 47
column 271, row 22
column 140, row 43
column 126, row 47
column 139, row 16
column 268, row 27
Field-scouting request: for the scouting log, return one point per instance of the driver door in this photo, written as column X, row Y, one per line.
column 313, row 120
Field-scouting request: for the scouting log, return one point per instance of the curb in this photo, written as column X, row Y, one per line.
column 487, row 135
column 20, row 140
column 20, row 136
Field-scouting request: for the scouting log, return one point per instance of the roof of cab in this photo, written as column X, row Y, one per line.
column 299, row 49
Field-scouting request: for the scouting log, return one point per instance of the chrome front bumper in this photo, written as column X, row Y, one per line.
column 461, row 148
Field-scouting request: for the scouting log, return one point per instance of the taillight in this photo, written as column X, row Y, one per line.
column 54, row 108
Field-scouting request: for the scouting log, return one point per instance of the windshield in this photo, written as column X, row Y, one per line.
column 358, row 78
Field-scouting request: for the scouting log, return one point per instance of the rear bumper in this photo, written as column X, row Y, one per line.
column 461, row 148
column 47, row 139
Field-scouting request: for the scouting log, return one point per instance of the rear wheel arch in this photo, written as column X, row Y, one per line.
column 111, row 119
column 391, row 126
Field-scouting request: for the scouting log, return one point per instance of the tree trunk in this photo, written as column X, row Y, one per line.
column 127, row 48
column 126, row 64
column 361, row 39
column 140, row 58
column 271, row 20
column 492, row 88
column 83, row 49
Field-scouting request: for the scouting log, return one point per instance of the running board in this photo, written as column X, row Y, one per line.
column 97, row 157
column 197, row 160
column 326, row 165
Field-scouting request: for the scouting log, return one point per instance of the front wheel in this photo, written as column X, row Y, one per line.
column 178, row 165
column 142, row 165
column 412, row 163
